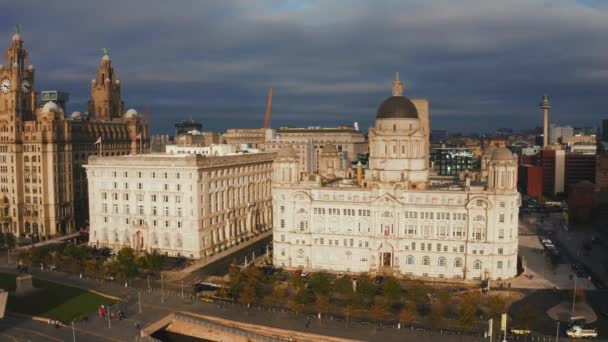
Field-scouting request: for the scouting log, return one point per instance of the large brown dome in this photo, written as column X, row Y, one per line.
column 397, row 107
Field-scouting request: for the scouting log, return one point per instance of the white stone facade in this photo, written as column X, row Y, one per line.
column 188, row 205
column 395, row 222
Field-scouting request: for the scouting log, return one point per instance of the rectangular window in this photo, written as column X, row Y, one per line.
column 282, row 223
column 166, row 224
column 500, row 250
column 140, row 209
column 366, row 244
column 282, row 209
column 501, row 218
column 502, row 204
column 499, row 265
column 461, row 248
column 140, row 186
column 501, row 233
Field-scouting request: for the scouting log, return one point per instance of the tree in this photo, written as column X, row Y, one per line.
column 151, row 262
column 466, row 315
column 379, row 310
column 276, row 297
column 303, row 296
column 437, row 313
column 295, row 306
column 407, row 315
column 320, row 284
column 344, row 287
column 496, row 306
column 348, row 311
column 366, row 290
column 125, row 259
column 322, row 304
column 248, row 295
column 235, row 282
column 9, row 240
column 392, row 290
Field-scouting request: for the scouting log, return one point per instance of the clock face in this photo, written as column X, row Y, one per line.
column 5, row 85
column 25, row 86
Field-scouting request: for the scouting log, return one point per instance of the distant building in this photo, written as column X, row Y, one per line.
column 451, row 161
column 253, row 137
column 579, row 167
column 179, row 204
column 554, row 165
column 159, row 141
column 439, row 136
column 578, row 139
column 213, row 150
column 530, row 178
column 59, row 97
column 185, row 126
column 605, row 129
column 556, row 133
column 198, row 138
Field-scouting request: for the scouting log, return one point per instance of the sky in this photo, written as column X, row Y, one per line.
column 481, row 64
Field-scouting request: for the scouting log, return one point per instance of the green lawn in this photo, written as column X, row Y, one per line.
column 53, row 300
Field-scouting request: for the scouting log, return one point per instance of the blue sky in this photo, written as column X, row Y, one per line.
column 482, row 64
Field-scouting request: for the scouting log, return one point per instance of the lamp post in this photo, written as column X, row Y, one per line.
column 574, row 294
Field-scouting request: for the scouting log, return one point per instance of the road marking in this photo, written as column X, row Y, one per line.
column 39, row 333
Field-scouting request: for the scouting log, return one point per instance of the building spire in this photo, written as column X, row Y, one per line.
column 397, row 86
column 18, row 29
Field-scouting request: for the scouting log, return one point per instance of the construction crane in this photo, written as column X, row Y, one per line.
column 268, row 106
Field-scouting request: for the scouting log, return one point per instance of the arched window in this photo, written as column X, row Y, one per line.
column 458, row 263
column 426, row 261
column 477, row 265
column 478, row 233
column 409, row 260
column 442, row 262
column 301, row 211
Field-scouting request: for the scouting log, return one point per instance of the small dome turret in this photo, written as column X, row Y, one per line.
column 503, row 153
column 131, row 113
column 50, row 107
column 16, row 37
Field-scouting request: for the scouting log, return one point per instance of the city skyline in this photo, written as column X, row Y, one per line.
column 214, row 62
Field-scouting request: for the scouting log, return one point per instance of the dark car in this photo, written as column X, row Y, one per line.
column 379, row 279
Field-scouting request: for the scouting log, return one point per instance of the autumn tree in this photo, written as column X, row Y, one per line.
column 248, row 295
column 322, row 305
column 407, row 315
column 235, row 280
column 379, row 310
column 348, row 311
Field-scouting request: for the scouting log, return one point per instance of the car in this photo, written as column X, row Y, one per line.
column 583, row 273
column 304, row 274
column 523, row 332
column 379, row 279
column 550, row 246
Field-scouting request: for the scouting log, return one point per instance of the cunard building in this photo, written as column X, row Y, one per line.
column 43, row 188
column 393, row 218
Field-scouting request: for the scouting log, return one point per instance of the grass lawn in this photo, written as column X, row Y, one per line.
column 52, row 300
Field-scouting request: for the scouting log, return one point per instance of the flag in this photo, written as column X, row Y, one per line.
column 98, row 141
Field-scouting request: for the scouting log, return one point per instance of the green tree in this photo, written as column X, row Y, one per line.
column 496, row 306
column 343, row 287
column 320, row 284
column 276, row 297
column 392, row 290
column 151, row 262
column 303, row 296
column 125, row 259
column 366, row 290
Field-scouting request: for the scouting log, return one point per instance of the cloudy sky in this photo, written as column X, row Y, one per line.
column 482, row 64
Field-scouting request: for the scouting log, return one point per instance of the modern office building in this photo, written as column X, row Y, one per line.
column 451, row 161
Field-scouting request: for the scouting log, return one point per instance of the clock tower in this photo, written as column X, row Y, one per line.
column 105, row 103
column 17, row 95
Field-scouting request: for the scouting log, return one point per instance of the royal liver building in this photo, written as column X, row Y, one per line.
column 391, row 218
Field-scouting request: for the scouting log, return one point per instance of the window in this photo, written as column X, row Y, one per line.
column 500, row 251
column 426, row 261
column 502, row 204
column 282, row 209
column 458, row 263
column 461, row 248
column 409, row 260
column 442, row 262
column 499, row 265
column 282, row 223
column 501, row 218
column 303, row 225
column 104, row 195
column 477, row 265
column 154, row 211
column 458, row 231
column 140, row 209
column 165, row 198
column 140, row 186
column 479, row 203
column 501, row 233
column 104, row 207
